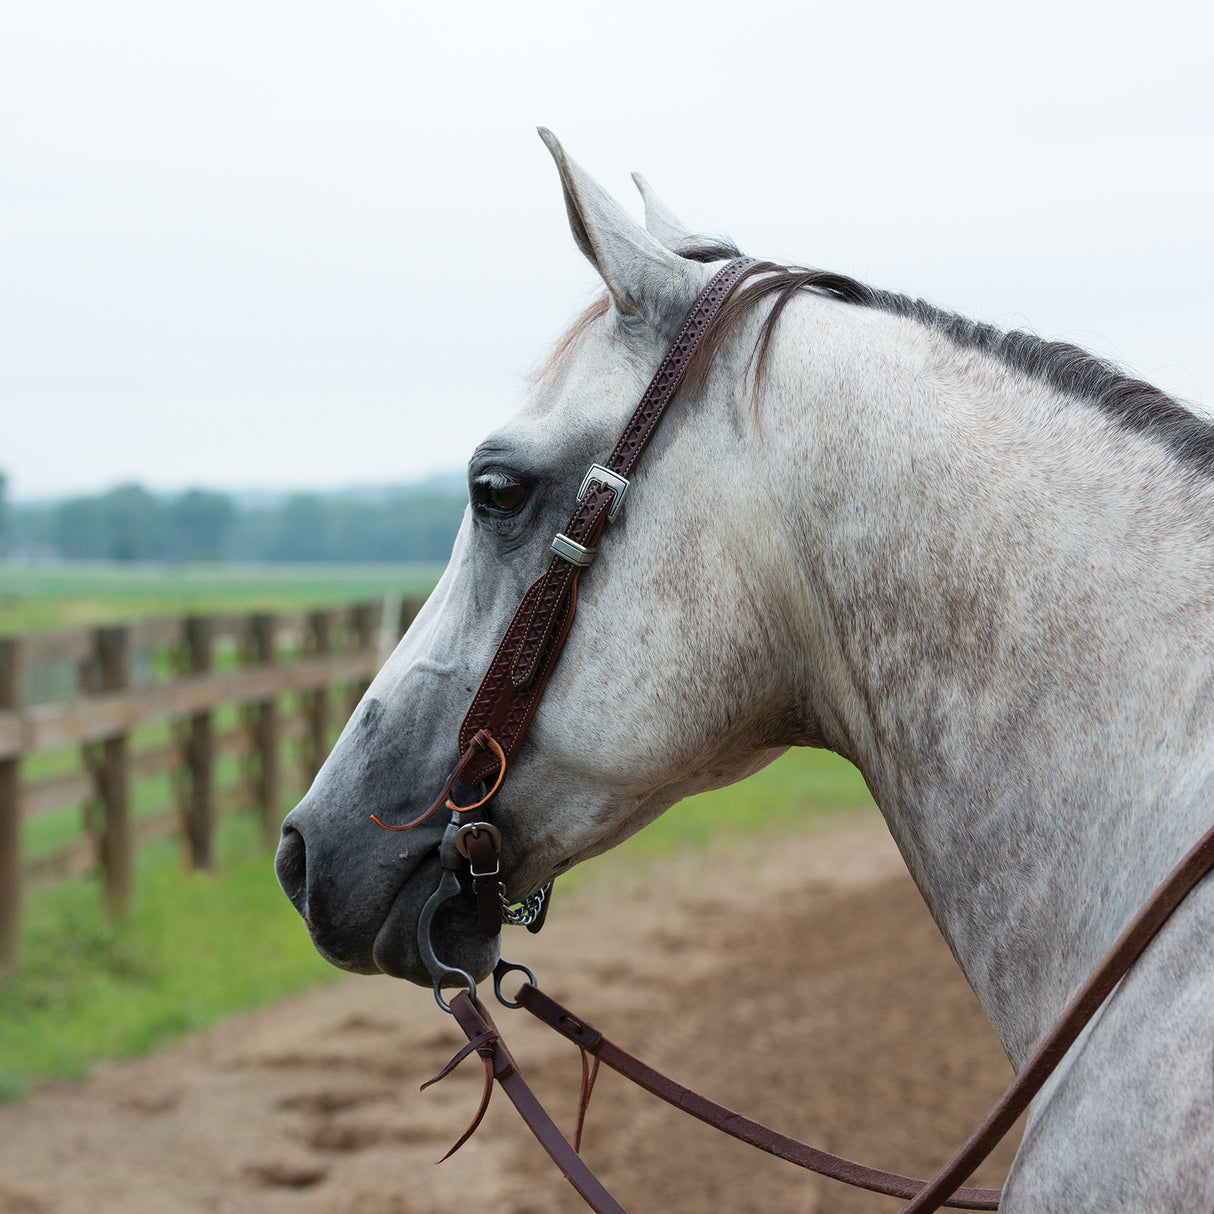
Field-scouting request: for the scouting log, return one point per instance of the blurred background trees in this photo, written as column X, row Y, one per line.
column 129, row 523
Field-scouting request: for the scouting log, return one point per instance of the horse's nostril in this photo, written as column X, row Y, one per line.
column 291, row 865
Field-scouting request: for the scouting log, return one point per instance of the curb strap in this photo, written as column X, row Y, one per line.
column 486, row 887
column 592, row 1042
column 480, row 843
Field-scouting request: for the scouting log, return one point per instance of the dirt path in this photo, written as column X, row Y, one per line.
column 810, row 991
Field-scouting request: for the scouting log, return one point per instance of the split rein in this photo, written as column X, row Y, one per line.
column 489, row 736
column 943, row 1189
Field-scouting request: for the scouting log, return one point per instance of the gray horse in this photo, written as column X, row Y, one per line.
column 978, row 565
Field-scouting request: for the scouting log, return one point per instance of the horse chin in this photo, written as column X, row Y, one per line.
column 457, row 939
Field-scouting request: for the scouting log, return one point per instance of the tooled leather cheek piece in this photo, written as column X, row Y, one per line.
column 507, row 697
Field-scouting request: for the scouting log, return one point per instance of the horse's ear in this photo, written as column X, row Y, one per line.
column 660, row 220
column 641, row 274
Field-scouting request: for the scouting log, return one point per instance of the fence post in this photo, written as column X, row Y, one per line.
column 268, row 783
column 114, row 776
column 10, row 815
column 200, row 755
column 363, row 627
column 316, row 703
column 406, row 612
column 389, row 628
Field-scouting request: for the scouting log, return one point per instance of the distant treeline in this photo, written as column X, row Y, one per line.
column 129, row 523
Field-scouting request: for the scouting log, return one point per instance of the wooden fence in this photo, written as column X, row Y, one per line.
column 139, row 728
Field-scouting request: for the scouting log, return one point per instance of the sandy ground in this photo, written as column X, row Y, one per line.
column 803, row 984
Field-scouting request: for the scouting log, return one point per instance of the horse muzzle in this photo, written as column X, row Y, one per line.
column 364, row 918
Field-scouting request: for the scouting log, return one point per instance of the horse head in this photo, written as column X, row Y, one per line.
column 667, row 683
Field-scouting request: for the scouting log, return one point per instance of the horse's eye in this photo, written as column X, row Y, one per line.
column 507, row 498
column 496, row 493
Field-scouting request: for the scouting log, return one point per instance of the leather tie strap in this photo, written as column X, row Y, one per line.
column 480, row 742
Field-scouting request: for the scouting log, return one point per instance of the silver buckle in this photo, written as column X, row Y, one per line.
column 572, row 551
column 609, row 480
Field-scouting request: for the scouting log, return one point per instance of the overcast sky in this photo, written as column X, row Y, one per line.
column 307, row 244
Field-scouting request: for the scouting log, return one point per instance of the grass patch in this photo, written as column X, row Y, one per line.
column 196, row 947
column 801, row 788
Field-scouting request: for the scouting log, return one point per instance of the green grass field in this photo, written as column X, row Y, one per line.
column 39, row 598
column 197, row 947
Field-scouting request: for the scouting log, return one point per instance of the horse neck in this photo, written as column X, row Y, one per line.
column 1011, row 610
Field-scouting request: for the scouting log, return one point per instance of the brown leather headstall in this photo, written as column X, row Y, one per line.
column 508, row 695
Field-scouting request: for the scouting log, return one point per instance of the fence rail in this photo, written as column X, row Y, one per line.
column 91, row 719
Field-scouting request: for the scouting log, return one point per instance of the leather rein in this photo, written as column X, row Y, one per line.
column 490, row 735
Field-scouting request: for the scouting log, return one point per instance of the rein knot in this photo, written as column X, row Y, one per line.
column 481, row 1044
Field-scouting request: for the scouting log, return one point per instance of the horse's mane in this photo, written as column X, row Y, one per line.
column 1132, row 403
